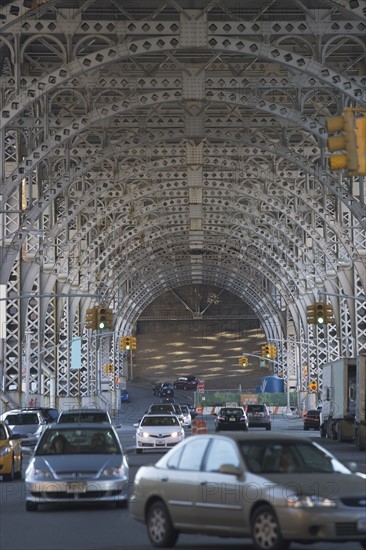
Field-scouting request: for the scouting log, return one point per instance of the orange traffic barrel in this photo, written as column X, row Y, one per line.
column 201, row 427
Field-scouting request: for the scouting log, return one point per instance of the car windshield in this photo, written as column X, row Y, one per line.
column 2, row 433
column 22, row 419
column 159, row 421
column 274, row 457
column 80, row 441
column 184, row 409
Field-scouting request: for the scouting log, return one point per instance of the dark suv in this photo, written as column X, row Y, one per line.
column 258, row 416
column 164, row 389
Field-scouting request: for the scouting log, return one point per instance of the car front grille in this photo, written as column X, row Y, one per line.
column 345, row 529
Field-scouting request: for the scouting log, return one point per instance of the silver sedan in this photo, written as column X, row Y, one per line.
column 77, row 463
column 277, row 489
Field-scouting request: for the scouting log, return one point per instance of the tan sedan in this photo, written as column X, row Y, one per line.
column 276, row 489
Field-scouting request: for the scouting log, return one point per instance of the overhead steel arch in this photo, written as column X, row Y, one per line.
column 176, row 144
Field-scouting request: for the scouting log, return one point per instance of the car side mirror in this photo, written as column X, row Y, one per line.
column 230, row 469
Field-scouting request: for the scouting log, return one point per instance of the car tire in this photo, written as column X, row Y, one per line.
column 159, row 526
column 266, row 532
column 306, row 428
column 139, row 451
column 10, row 475
column 268, row 428
column 31, row 506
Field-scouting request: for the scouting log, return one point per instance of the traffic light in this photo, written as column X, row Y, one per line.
column 311, row 315
column 320, row 313
column 361, row 145
column 133, row 342
column 102, row 317
column 328, row 314
column 313, row 386
column 243, row 361
column 109, row 318
column 266, row 351
column 122, row 342
column 272, row 351
column 108, row 368
column 91, row 318
column 344, row 125
column 127, row 342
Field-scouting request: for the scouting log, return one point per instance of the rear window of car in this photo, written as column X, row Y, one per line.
column 161, row 408
column 22, row 419
column 83, row 417
column 313, row 413
column 256, row 408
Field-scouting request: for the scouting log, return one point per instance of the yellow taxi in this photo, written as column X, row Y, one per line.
column 11, row 455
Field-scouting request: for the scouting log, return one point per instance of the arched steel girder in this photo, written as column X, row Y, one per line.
column 132, row 305
column 170, row 45
column 272, row 202
column 265, row 203
column 277, row 275
column 335, row 186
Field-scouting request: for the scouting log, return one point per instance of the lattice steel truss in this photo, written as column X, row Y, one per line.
column 150, row 145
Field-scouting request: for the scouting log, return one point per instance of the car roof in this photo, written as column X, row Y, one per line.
column 81, row 411
column 264, row 436
column 79, row 426
column 160, row 415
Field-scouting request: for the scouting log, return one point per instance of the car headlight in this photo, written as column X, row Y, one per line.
column 39, row 473
column 114, row 472
column 5, row 450
column 141, row 433
column 310, row 501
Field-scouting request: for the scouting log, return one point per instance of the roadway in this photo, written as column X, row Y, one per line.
column 95, row 527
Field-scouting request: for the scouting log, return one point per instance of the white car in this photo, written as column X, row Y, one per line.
column 187, row 419
column 158, row 431
column 27, row 423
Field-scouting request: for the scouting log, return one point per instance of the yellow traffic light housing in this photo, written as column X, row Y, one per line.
column 311, row 315
column 102, row 317
column 128, row 342
column 344, row 125
column 243, row 361
column 266, row 351
column 313, row 386
column 133, row 342
column 91, row 318
column 360, row 130
column 328, row 314
column 320, row 313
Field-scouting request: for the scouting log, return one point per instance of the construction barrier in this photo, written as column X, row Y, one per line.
column 199, row 427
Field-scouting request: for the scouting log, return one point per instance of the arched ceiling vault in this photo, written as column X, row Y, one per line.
column 159, row 144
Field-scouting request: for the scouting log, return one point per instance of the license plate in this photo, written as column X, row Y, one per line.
column 361, row 525
column 76, row 487
column 232, row 419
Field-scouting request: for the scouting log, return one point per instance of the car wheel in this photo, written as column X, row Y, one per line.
column 10, row 475
column 363, row 543
column 306, row 428
column 268, row 428
column 139, row 451
column 159, row 526
column 31, row 506
column 266, row 532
